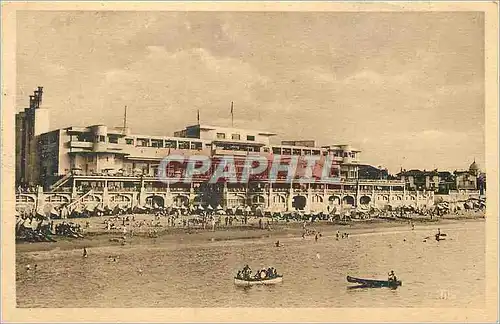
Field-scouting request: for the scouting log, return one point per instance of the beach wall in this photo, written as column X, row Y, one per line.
column 309, row 200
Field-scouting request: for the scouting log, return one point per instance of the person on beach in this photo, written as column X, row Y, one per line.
column 85, row 253
column 316, row 238
column 277, row 243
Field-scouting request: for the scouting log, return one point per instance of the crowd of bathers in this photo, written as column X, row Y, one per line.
column 262, row 274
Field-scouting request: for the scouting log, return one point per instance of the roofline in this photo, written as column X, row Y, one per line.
column 214, row 127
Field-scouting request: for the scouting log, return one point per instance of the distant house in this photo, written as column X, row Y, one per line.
column 370, row 172
column 437, row 181
column 420, row 180
column 444, row 181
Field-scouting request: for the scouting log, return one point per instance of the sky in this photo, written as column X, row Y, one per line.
column 406, row 88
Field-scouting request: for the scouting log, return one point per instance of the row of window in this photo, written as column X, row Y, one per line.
column 288, row 151
column 236, row 137
column 183, row 145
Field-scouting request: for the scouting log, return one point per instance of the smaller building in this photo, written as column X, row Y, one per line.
column 468, row 180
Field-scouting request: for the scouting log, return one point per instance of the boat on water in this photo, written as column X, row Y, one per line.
column 254, row 282
column 370, row 283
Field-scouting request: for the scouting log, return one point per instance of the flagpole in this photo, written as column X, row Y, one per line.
column 232, row 115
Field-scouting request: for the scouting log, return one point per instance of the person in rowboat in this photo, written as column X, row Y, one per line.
column 392, row 276
column 246, row 272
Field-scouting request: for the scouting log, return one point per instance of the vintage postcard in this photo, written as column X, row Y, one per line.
column 250, row 162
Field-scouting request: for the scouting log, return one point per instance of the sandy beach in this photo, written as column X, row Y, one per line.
column 97, row 235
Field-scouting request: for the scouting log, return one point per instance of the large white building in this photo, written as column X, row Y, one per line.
column 107, row 167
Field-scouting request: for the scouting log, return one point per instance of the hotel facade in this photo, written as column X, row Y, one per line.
column 102, row 167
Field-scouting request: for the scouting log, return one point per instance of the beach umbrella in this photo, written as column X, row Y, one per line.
column 200, row 207
column 89, row 208
column 54, row 212
column 210, row 207
column 39, row 212
column 219, row 207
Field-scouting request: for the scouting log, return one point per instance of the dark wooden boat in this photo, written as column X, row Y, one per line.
column 370, row 283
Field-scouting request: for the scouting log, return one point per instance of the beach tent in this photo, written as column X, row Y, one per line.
column 219, row 207
column 200, row 207
column 210, row 207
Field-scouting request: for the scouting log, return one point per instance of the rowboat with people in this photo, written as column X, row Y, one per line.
column 265, row 276
column 392, row 282
column 254, row 282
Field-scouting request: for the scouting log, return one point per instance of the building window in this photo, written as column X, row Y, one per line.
column 276, row 150
column 170, row 144
column 250, row 138
column 235, row 137
column 129, row 141
column 102, row 138
column 183, row 145
column 221, row 135
column 113, row 139
column 156, row 143
column 196, row 146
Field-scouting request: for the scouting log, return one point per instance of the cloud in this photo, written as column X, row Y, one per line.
column 399, row 86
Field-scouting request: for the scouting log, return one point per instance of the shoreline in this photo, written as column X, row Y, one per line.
column 185, row 236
